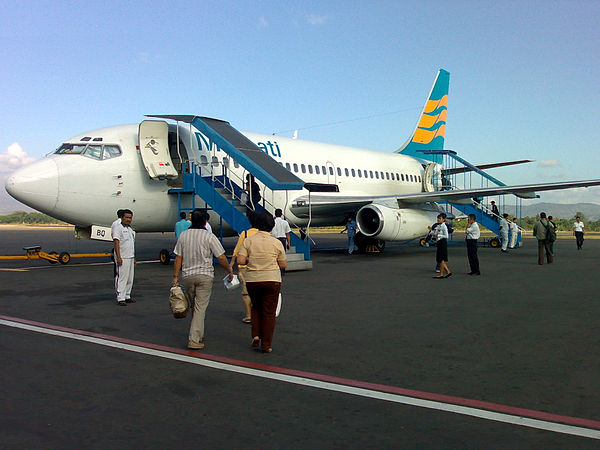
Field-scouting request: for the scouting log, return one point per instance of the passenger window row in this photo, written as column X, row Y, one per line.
column 355, row 173
column 324, row 170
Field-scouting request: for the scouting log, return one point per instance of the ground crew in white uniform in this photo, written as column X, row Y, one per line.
column 504, row 232
column 124, row 240
column 514, row 233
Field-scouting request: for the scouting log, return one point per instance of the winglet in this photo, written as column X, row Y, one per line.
column 430, row 131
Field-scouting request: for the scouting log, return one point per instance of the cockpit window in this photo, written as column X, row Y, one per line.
column 111, row 151
column 70, row 149
column 93, row 151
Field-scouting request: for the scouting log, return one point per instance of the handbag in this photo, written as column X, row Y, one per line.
column 178, row 302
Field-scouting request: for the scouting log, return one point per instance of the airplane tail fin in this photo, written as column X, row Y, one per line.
column 430, row 131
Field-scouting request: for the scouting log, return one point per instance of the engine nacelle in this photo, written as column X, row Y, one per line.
column 394, row 224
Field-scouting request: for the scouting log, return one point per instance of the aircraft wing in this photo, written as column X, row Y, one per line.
column 523, row 191
column 322, row 203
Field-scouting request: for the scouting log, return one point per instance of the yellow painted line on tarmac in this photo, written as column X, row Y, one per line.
column 14, row 270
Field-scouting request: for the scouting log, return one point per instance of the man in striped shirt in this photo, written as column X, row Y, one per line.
column 194, row 252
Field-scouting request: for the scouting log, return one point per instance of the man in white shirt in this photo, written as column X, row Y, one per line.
column 473, row 234
column 514, row 233
column 504, row 232
column 282, row 229
column 124, row 241
column 578, row 232
column 117, row 222
column 195, row 249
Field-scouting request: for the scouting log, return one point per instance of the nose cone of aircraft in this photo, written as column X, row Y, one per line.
column 35, row 185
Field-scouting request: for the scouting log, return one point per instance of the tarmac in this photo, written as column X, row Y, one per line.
column 369, row 352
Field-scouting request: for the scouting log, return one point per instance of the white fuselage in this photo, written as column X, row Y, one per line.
column 86, row 191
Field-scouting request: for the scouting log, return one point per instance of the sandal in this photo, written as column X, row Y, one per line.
column 247, row 320
column 255, row 342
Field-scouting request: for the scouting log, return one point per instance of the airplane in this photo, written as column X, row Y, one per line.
column 393, row 196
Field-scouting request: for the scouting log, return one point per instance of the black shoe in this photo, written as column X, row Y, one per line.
column 130, row 300
column 471, row 273
column 477, row 273
column 122, row 303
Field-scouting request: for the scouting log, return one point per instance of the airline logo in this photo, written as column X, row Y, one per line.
column 270, row 148
column 433, row 121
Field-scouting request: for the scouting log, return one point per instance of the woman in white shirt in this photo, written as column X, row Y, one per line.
column 441, row 255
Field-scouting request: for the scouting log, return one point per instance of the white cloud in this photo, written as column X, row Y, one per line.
column 13, row 158
column 548, row 163
column 314, row 19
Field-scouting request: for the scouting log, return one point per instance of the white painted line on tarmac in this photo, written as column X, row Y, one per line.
column 198, row 359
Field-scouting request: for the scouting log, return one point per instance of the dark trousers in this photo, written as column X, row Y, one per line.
column 544, row 245
column 579, row 239
column 264, row 296
column 472, row 255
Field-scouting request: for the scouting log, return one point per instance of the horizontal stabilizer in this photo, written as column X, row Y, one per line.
column 456, row 170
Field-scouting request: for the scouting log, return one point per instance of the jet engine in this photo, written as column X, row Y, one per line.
column 394, row 224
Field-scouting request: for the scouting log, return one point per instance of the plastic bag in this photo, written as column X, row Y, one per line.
column 178, row 302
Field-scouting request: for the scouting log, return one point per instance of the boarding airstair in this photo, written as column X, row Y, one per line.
column 473, row 177
column 220, row 189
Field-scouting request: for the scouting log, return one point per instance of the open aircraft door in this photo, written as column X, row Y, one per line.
column 432, row 177
column 154, row 148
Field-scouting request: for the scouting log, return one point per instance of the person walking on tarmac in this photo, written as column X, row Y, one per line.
column 578, row 232
column 514, row 233
column 540, row 231
column 182, row 225
column 473, row 234
column 195, row 250
column 504, row 232
column 351, row 228
column 242, row 267
column 441, row 256
column 551, row 232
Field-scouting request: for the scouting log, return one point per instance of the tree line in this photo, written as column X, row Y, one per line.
column 32, row 218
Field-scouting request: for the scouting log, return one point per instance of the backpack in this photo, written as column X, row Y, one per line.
column 450, row 228
column 550, row 232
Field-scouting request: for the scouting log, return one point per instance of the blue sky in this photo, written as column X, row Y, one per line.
column 524, row 75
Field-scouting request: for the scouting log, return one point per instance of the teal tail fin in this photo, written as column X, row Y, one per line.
column 430, row 132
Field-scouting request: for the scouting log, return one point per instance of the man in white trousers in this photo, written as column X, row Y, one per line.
column 504, row 231
column 124, row 241
column 514, row 233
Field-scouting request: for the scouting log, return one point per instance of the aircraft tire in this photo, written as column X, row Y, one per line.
column 64, row 258
column 165, row 257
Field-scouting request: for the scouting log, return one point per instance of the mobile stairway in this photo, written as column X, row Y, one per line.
column 473, row 177
column 221, row 190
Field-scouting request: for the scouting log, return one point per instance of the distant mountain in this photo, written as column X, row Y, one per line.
column 591, row 211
